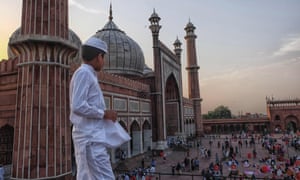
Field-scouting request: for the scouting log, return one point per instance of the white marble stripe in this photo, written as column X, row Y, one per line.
column 27, row 52
column 20, row 111
column 31, row 114
column 35, row 17
column 42, row 15
column 49, row 17
column 54, row 115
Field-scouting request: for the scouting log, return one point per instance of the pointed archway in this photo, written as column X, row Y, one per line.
column 147, row 136
column 291, row 123
column 123, row 149
column 172, row 105
column 6, row 141
column 135, row 143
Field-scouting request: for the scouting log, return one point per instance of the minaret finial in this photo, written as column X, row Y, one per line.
column 110, row 12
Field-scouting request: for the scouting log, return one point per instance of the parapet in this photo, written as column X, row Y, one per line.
column 8, row 66
column 120, row 81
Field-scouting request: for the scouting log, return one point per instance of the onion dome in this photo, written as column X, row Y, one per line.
column 125, row 57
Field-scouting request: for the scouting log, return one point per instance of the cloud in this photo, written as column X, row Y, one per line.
column 239, row 72
column 292, row 45
column 245, row 87
column 83, row 8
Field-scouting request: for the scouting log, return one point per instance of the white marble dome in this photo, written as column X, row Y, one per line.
column 125, row 57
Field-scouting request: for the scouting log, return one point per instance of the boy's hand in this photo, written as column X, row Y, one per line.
column 111, row 115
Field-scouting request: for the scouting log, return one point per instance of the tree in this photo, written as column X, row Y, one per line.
column 221, row 112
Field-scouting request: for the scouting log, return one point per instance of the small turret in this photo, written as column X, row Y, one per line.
column 177, row 48
column 154, row 20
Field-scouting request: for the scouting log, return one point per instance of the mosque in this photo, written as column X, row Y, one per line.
column 35, row 131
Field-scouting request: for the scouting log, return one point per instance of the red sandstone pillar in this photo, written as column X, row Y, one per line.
column 193, row 80
column 159, row 127
column 42, row 137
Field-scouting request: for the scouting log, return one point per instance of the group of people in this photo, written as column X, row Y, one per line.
column 138, row 174
column 275, row 165
column 187, row 165
column 249, row 167
column 143, row 172
column 205, row 153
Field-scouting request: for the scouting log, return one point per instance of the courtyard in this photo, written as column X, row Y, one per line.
column 267, row 164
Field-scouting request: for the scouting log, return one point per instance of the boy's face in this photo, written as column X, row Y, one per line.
column 99, row 62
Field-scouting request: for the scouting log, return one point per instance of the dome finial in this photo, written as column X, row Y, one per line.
column 110, row 12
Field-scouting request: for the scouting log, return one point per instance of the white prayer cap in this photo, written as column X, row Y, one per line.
column 96, row 43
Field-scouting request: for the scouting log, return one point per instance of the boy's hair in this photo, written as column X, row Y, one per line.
column 88, row 53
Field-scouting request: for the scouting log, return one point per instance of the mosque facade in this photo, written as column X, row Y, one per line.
column 35, row 131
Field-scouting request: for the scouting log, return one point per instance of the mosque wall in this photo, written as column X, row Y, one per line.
column 284, row 114
column 8, row 88
column 188, row 117
column 128, row 97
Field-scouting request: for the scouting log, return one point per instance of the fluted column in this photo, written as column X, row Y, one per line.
column 42, row 138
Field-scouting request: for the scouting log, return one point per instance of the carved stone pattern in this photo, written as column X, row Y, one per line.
column 134, row 106
column 188, row 111
column 107, row 102
column 145, row 107
column 168, row 70
column 120, row 104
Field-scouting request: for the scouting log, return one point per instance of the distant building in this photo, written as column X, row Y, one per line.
column 284, row 115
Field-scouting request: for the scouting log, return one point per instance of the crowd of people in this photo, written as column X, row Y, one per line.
column 277, row 164
column 236, row 156
column 140, row 173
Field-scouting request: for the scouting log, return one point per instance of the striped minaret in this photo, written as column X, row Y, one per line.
column 42, row 137
column 193, row 76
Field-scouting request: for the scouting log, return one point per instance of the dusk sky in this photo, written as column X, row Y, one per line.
column 246, row 49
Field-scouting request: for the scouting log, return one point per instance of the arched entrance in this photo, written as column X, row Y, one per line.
column 147, row 136
column 172, row 106
column 6, row 143
column 135, row 143
column 122, row 151
column 291, row 124
column 291, row 127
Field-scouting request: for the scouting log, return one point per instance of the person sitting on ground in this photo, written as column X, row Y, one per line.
column 246, row 163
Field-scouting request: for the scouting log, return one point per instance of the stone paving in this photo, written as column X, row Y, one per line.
column 173, row 157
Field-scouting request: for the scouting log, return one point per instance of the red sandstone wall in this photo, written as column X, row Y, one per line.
column 8, row 87
column 284, row 112
column 122, row 85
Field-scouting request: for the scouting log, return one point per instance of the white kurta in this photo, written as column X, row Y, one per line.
column 87, row 111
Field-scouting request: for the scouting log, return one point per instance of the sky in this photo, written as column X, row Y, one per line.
column 247, row 50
